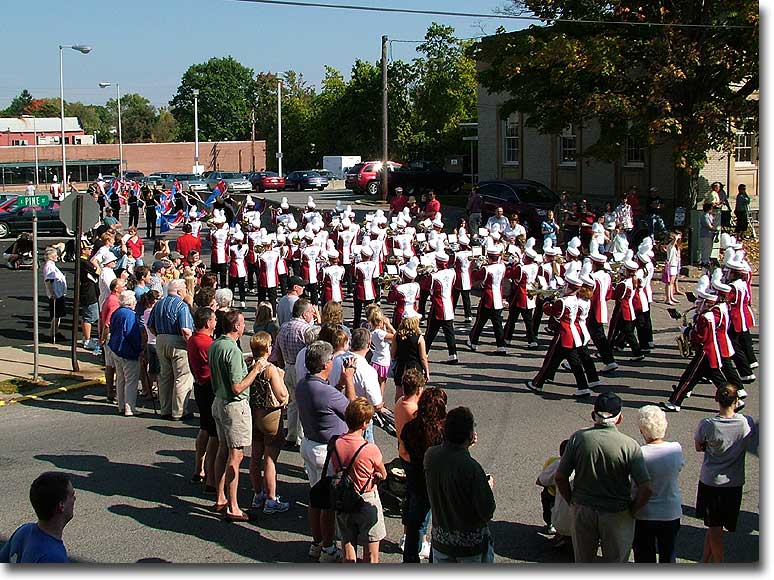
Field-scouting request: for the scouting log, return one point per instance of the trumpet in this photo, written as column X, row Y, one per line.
column 387, row 280
column 423, row 269
column 479, row 261
column 536, row 291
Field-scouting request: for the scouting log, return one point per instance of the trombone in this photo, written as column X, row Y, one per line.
column 535, row 291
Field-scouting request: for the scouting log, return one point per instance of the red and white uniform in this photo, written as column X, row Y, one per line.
column 647, row 277
column 545, row 275
column 331, row 278
column 403, row 241
column 722, row 319
column 196, row 227
column 462, row 268
column 742, row 316
column 523, row 277
column 378, row 246
column 254, row 243
column 238, row 267
column 219, row 239
column 282, row 263
column 309, row 269
column 704, row 337
column 344, row 245
column 364, row 280
column 268, row 268
column 624, row 293
column 603, row 291
column 491, row 277
column 640, row 299
column 584, row 308
column 405, row 297
column 565, row 311
column 441, row 285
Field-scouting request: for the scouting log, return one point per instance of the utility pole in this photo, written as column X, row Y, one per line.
column 385, row 157
column 252, row 140
column 279, row 126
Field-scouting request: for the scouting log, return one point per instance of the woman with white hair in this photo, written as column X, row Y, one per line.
column 56, row 289
column 658, row 522
column 126, row 344
column 224, row 298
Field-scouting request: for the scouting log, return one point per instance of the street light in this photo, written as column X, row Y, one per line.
column 35, row 133
column 196, row 131
column 120, row 136
column 83, row 50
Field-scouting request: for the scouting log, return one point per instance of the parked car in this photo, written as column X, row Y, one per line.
column 12, row 223
column 133, row 175
column 365, row 177
column 301, row 180
column 530, row 199
column 234, row 181
column 263, row 180
column 188, row 181
column 154, row 180
column 326, row 174
column 8, row 202
column 418, row 176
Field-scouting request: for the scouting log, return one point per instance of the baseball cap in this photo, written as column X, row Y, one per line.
column 175, row 256
column 296, row 281
column 607, row 405
column 157, row 266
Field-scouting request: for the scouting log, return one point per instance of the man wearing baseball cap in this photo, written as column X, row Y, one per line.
column 285, row 305
column 605, row 462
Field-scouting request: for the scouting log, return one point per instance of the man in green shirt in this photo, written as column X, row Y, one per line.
column 604, row 461
column 231, row 411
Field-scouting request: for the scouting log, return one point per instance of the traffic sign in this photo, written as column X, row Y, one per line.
column 90, row 211
column 33, row 201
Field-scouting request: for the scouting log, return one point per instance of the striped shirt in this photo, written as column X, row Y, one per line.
column 290, row 341
column 170, row 315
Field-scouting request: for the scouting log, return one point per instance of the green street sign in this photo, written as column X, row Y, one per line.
column 33, row 201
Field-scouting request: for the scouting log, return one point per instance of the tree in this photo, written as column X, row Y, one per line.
column 685, row 86
column 43, row 108
column 298, row 149
column 18, row 105
column 165, row 127
column 138, row 117
column 226, row 98
column 265, row 95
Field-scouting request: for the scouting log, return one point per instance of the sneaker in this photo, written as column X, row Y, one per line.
column 549, row 530
column 754, row 365
column 424, row 553
column 651, row 345
column 636, row 358
column 453, row 360
column 748, row 378
column 259, row 499
column 242, row 304
column 582, row 393
column 595, row 383
column 532, row 344
column 740, row 404
column 97, row 351
column 402, row 543
column 565, row 366
column 532, row 387
column 468, row 320
column 471, row 346
column 274, row 506
column 314, row 550
column 502, row 350
column 327, row 557
column 671, row 407
column 741, row 393
column 609, row 367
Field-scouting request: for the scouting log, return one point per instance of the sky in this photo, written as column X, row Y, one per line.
column 147, row 45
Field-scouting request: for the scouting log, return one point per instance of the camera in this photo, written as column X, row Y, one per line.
column 349, row 362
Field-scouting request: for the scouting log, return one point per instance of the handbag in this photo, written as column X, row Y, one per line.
column 345, row 498
column 320, row 493
column 261, row 394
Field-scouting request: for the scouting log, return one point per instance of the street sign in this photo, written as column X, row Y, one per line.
column 278, row 154
column 90, row 211
column 33, row 201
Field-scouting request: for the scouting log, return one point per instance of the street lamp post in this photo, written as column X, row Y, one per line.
column 83, row 50
column 120, row 135
column 35, row 136
column 196, row 130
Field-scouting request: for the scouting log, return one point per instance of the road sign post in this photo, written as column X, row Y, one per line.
column 77, row 292
column 35, row 314
column 33, row 201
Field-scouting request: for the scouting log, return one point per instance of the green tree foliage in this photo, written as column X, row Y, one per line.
column 18, row 105
column 687, row 86
column 93, row 119
column 43, row 108
column 138, row 117
column 226, row 99
column 165, row 127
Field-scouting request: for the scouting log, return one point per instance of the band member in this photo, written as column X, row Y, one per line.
column 237, row 269
column 365, row 292
column 708, row 360
column 310, row 254
column 522, row 302
column 585, row 294
column 645, row 295
column 332, row 277
column 463, row 283
column 219, row 240
column 603, row 291
column 490, row 307
column 549, row 276
column 566, row 341
column 345, row 241
column 405, row 295
column 269, row 262
column 624, row 317
column 254, row 237
column 282, row 264
column 442, row 310
column 742, row 318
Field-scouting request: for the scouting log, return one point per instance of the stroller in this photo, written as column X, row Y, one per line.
column 19, row 254
column 392, row 490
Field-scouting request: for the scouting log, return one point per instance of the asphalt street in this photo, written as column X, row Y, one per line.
column 135, row 502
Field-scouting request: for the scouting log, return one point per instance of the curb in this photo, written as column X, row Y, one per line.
column 53, row 391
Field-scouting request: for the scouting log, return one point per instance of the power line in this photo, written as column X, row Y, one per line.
column 483, row 15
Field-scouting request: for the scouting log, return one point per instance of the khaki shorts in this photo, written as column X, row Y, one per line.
column 268, row 426
column 233, row 422
column 110, row 360
column 365, row 526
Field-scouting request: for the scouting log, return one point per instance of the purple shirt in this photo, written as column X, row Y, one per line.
column 321, row 409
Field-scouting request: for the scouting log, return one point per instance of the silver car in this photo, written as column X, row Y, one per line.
column 188, row 181
column 234, row 181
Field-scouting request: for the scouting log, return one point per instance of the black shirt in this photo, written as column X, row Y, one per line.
column 89, row 283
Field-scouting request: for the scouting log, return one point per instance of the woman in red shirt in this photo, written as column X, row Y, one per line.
column 135, row 247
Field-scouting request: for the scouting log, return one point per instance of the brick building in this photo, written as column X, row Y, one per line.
column 22, row 130
column 85, row 162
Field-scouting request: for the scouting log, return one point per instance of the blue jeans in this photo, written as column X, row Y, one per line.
column 368, row 434
column 652, row 537
column 485, row 558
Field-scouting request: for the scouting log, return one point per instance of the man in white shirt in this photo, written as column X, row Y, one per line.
column 499, row 218
column 30, row 189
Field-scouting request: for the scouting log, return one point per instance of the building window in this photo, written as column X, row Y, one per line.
column 743, row 152
column 16, row 142
column 635, row 152
column 511, row 140
column 568, row 146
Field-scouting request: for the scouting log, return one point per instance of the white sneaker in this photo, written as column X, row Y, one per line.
column 502, row 350
column 314, row 550
column 468, row 320
column 595, row 383
column 754, row 365
column 471, row 346
column 582, row 393
column 402, row 543
column 749, row 378
column 424, row 553
column 741, row 393
column 610, row 367
column 242, row 304
column 740, row 404
column 532, row 344
column 566, row 366
column 453, row 359
column 327, row 557
column 667, row 406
